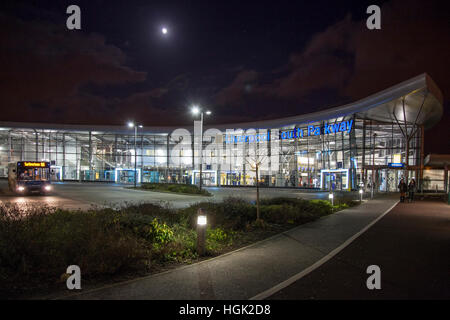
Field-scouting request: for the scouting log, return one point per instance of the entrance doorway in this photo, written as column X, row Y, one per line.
column 386, row 179
column 56, row 173
column 127, row 175
column 334, row 179
column 209, row 177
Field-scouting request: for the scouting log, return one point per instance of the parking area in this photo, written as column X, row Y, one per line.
column 73, row 195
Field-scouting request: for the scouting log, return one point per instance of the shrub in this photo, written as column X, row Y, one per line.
column 217, row 239
column 321, row 207
column 160, row 233
column 175, row 187
column 232, row 213
column 181, row 248
column 40, row 245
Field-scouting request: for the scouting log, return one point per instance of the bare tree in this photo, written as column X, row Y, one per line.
column 256, row 157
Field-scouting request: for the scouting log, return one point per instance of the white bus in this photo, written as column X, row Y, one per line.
column 29, row 176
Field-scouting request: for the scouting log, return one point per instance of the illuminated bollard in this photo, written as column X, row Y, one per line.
column 360, row 195
column 331, row 197
column 201, row 232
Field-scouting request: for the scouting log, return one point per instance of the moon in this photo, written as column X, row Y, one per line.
column 164, row 30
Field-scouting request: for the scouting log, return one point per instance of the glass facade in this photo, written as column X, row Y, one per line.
column 340, row 154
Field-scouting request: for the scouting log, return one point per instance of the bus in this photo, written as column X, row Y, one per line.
column 29, row 176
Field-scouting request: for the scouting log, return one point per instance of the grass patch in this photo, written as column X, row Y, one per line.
column 175, row 188
column 37, row 245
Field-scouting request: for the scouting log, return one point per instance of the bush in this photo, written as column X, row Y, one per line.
column 41, row 245
column 38, row 243
column 232, row 213
column 217, row 239
column 176, row 188
column 182, row 248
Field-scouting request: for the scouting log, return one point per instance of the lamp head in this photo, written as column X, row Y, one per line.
column 195, row 110
column 201, row 220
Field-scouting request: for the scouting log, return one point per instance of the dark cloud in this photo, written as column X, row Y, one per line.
column 347, row 62
column 240, row 86
column 79, row 77
column 43, row 64
column 354, row 62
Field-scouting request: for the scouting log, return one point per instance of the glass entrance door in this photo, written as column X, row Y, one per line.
column 209, row 177
column 334, row 179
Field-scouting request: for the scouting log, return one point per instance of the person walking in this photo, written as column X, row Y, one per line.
column 411, row 189
column 403, row 188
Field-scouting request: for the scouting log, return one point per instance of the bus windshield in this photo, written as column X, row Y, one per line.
column 36, row 174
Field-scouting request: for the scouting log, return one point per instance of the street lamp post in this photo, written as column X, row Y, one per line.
column 135, row 126
column 196, row 110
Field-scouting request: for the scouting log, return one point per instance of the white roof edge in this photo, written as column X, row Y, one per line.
column 399, row 90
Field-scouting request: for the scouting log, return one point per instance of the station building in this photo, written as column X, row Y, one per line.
column 374, row 141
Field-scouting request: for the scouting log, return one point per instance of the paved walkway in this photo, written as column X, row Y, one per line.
column 245, row 273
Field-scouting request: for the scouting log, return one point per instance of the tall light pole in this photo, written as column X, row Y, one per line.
column 135, row 126
column 196, row 110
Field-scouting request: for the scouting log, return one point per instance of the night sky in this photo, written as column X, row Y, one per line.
column 244, row 60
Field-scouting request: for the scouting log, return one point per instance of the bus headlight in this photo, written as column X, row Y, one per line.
column 48, row 188
column 20, row 188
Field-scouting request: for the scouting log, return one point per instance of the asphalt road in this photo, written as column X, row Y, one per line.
column 411, row 245
column 72, row 195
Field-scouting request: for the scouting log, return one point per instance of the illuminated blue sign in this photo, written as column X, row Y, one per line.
column 248, row 138
column 297, row 133
column 343, row 126
column 396, row 165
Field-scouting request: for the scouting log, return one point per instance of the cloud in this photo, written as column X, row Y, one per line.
column 44, row 67
column 241, row 85
column 347, row 61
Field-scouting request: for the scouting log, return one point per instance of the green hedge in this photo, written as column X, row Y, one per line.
column 37, row 245
column 176, row 188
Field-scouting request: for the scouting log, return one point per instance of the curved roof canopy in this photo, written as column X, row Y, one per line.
column 420, row 96
column 416, row 101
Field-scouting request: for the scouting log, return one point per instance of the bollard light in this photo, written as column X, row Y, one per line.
column 331, row 197
column 360, row 194
column 201, row 232
column 201, row 220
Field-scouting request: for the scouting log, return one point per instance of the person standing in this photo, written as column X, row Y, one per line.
column 411, row 189
column 403, row 188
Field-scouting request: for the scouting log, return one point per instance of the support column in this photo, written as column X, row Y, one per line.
column 363, row 161
column 167, row 158
column 37, row 144
column 9, row 147
column 90, row 156
column 446, row 178
column 422, row 136
column 142, row 158
column 63, row 169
